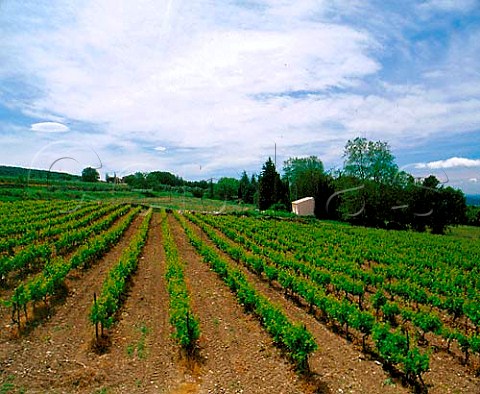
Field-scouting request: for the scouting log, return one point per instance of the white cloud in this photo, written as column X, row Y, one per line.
column 448, row 5
column 473, row 180
column 49, row 127
column 449, row 163
column 163, row 74
column 230, row 79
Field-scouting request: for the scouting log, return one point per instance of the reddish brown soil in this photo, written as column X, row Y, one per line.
column 16, row 278
column 237, row 355
column 343, row 367
column 143, row 358
column 55, row 355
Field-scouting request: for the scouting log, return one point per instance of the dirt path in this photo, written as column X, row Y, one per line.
column 238, row 355
column 337, row 363
column 55, row 356
column 143, row 356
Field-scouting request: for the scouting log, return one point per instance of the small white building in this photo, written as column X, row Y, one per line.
column 304, row 206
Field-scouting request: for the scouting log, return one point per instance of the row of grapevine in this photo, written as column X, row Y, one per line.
column 106, row 305
column 331, row 276
column 185, row 324
column 50, row 228
column 19, row 208
column 54, row 273
column 444, row 266
column 393, row 346
column 36, row 255
column 21, row 216
column 423, row 318
column 294, row 338
column 355, row 279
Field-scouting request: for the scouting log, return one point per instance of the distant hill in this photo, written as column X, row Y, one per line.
column 15, row 172
column 473, row 199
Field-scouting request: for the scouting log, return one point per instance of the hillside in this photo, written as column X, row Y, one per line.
column 15, row 172
column 473, row 199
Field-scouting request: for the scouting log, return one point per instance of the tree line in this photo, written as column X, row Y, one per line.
column 369, row 190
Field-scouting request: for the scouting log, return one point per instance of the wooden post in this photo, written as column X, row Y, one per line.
column 96, row 322
column 189, row 346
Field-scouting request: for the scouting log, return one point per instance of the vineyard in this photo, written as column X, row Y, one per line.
column 105, row 297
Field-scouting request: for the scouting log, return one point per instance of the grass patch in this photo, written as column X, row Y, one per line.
column 104, row 192
column 465, row 232
column 130, row 350
column 7, row 386
column 139, row 348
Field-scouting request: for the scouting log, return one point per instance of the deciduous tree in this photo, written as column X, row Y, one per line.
column 90, row 174
column 304, row 176
column 227, row 188
column 368, row 160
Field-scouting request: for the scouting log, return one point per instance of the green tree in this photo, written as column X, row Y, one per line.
column 326, row 205
column 247, row 189
column 304, row 176
column 421, row 196
column 437, row 207
column 473, row 215
column 271, row 189
column 307, row 178
column 211, row 189
column 370, row 183
column 227, row 188
column 137, row 180
column 453, row 208
column 157, row 179
column 368, row 160
column 254, row 187
column 90, row 174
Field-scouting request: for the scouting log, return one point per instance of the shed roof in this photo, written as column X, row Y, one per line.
column 304, row 199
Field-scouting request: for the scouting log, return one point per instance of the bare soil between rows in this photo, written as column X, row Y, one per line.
column 341, row 363
column 54, row 354
column 235, row 354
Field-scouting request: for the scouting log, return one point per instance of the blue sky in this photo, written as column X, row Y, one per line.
column 207, row 88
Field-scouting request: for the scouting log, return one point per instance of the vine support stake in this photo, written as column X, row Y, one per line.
column 96, row 321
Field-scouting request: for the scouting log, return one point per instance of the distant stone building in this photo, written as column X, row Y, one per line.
column 304, row 206
column 113, row 179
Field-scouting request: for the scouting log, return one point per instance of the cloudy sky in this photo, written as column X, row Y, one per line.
column 207, row 88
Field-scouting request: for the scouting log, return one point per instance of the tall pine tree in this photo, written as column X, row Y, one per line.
column 247, row 189
column 271, row 189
